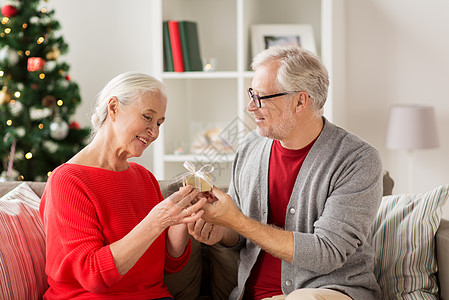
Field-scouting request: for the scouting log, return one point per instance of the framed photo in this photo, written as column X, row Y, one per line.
column 263, row 36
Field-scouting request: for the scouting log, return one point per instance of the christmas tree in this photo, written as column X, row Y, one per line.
column 37, row 95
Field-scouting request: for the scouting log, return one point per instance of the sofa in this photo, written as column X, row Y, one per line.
column 437, row 246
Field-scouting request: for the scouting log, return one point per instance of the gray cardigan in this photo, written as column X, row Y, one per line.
column 331, row 209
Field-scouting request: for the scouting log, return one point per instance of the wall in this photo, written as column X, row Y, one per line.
column 105, row 39
column 398, row 52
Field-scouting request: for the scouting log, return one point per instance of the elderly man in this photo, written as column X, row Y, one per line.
column 303, row 193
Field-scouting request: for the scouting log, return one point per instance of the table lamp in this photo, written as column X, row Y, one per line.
column 411, row 127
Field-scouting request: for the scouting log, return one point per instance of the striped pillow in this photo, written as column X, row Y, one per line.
column 22, row 246
column 403, row 239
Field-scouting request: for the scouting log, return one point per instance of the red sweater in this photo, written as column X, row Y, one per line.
column 265, row 278
column 84, row 210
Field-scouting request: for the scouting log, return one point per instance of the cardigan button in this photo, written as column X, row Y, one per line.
column 288, row 283
column 292, row 210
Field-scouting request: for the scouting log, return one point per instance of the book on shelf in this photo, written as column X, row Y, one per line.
column 176, row 49
column 181, row 46
column 188, row 31
column 168, row 57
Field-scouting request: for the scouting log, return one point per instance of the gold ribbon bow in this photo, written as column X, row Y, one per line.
column 202, row 173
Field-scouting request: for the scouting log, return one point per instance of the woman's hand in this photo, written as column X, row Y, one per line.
column 174, row 210
column 206, row 233
column 178, row 208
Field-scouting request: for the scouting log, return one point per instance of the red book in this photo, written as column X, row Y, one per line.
column 176, row 48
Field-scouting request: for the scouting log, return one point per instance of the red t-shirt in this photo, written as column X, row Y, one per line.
column 265, row 278
column 84, row 210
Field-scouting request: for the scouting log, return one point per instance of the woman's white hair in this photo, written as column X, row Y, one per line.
column 299, row 70
column 126, row 87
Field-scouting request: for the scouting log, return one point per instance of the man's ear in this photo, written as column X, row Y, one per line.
column 113, row 107
column 301, row 101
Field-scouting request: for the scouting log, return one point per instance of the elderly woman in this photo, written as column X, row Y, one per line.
column 110, row 233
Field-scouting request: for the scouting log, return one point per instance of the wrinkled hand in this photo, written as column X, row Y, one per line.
column 206, row 233
column 223, row 211
column 209, row 196
column 178, row 208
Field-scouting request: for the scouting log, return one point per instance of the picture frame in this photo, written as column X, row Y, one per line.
column 264, row 36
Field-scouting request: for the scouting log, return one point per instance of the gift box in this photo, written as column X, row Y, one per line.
column 35, row 64
column 198, row 183
column 199, row 179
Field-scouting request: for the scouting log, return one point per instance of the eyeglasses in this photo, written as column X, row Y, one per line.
column 256, row 98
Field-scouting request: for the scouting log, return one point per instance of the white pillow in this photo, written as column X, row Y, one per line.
column 22, row 246
column 403, row 236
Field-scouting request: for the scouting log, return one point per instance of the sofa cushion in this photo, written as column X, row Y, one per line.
column 22, row 248
column 403, row 236
column 36, row 186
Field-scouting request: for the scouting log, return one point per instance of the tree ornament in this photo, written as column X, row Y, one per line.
column 5, row 97
column 35, row 64
column 53, row 54
column 3, row 177
column 20, row 131
column 11, row 158
column 4, row 53
column 16, row 108
column 74, row 125
column 9, row 56
column 49, row 101
column 51, row 146
column 40, row 113
column 59, row 129
column 9, row 11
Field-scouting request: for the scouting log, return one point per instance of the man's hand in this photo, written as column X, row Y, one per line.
column 215, row 227
column 223, row 211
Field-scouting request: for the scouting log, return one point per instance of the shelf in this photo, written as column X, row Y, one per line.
column 248, row 74
column 206, row 75
column 199, row 75
column 229, row 157
column 219, row 98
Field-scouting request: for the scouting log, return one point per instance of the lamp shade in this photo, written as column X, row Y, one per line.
column 412, row 127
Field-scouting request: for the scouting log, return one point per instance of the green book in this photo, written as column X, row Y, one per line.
column 190, row 46
column 168, row 58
